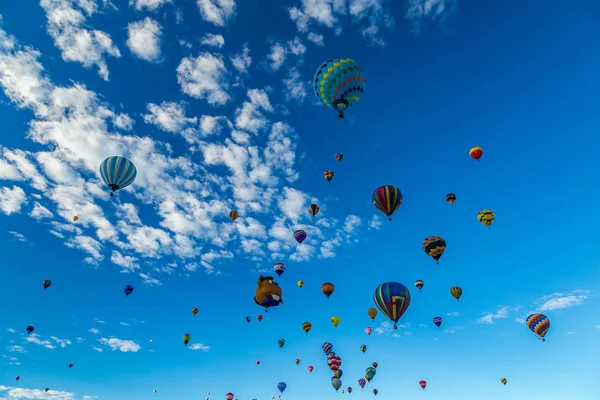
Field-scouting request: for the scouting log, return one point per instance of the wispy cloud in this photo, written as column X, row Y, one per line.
column 124, row 346
column 94, row 331
column 453, row 314
column 423, row 13
column 559, row 301
column 503, row 312
column 49, row 344
column 199, row 346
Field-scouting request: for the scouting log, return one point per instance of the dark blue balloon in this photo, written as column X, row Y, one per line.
column 281, row 386
column 128, row 290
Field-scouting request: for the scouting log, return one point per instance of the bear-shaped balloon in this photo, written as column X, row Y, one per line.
column 268, row 293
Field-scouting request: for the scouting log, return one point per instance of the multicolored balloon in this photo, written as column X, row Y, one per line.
column 486, row 217
column 434, row 246
column 328, row 175
column 195, row 311
column 363, row 348
column 339, row 156
column 306, row 326
column 313, row 209
column 349, row 389
column 370, row 373
column 327, row 288
column 423, row 384
column 476, row 152
column 279, row 268
column 437, row 321
column 387, row 199
column 310, row 368
column 300, row 284
column 451, row 198
column 300, row 236
column 503, row 380
column 338, row 83
column 338, row 373
column 229, row 396
column 369, row 330
column 539, row 324
column 456, row 292
column 233, row 215
column 297, row 361
column 375, row 364
column 362, row 383
column 392, row 299
column 327, row 348
column 117, row 172
column 259, row 317
column 419, row 284
column 186, row 338
column 281, row 342
column 372, row 313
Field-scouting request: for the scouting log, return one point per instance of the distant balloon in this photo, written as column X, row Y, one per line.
column 46, row 390
column 375, row 391
column 335, row 320
column 300, row 236
column 339, row 156
column 327, row 288
column 423, row 384
column 539, row 324
column 306, row 326
column 186, row 338
column 297, row 361
column 437, row 321
column 476, row 152
column 229, row 396
column 349, row 389
column 503, row 380
column 257, row 362
column 434, row 246
column 451, row 198
column 372, row 313
column 363, row 348
column 392, row 299
column 310, row 368
column 128, row 289
column 313, row 209
column 281, row 386
column 375, row 365
column 281, row 342
column 17, row 378
column 30, row 329
column 279, row 268
column 328, row 175
column 300, row 284
column 362, row 383
column 486, row 217
column 195, row 311
column 327, row 348
column 336, row 383
column 387, row 199
column 456, row 292
column 248, row 318
column 233, row 215
column 70, row 365
column 75, row 218
column 46, row 284
column 117, row 172
column 369, row 330
column 259, row 317
column 419, row 284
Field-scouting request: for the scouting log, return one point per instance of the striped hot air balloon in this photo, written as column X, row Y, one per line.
column 451, row 198
column 387, row 199
column 434, row 246
column 300, row 236
column 539, row 324
column 338, row 83
column 423, row 384
column 486, row 217
column 476, row 152
column 327, row 288
column 306, row 326
column 313, row 209
column 419, row 284
column 503, row 380
column 117, row 172
column 328, row 175
column 392, row 299
column 456, row 292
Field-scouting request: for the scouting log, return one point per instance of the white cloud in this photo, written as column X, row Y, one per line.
column 19, row 237
column 213, row 40
column 127, row 262
column 453, row 314
column 98, row 349
column 199, row 346
column 294, row 87
column 10, row 330
column 49, row 344
column 150, row 5
column 503, row 312
column 143, row 39
column 375, row 223
column 217, row 12
column 94, row 331
column 40, row 212
column 11, row 200
column 351, row 223
column 204, row 77
column 16, row 349
column 422, row 12
column 15, row 393
column 279, row 52
column 90, row 47
column 558, row 303
column 242, row 61
column 315, row 38
column 124, row 346
column 168, row 116
column 249, row 117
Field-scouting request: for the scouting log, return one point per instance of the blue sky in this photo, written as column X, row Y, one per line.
column 211, row 100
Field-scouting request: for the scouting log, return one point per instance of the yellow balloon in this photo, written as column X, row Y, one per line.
column 486, row 217
column 335, row 320
column 456, row 292
column 75, row 218
column 300, row 284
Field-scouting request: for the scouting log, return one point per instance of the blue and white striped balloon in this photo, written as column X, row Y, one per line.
column 117, row 172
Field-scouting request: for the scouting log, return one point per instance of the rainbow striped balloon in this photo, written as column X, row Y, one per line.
column 539, row 324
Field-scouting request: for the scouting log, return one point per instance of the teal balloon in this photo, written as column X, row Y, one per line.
column 117, row 172
column 339, row 83
column 392, row 299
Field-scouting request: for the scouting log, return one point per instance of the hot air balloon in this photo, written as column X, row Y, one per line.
column 46, row 284
column 300, row 236
column 336, row 383
column 349, row 389
column 363, row 348
column 128, row 289
column 434, row 246
column 300, row 284
column 486, row 217
column 233, row 215
column 17, row 378
column 70, row 365
column 369, row 330
column 257, row 362
column 75, row 218
column 372, row 313
column 327, row 348
column 338, row 83
column 297, row 361
column 503, row 380
column 423, row 384
column 151, row 340
column 335, row 320
column 327, row 288
column 30, row 329
column 392, row 299
column 328, row 175
column 375, row 365
column 46, row 390
column 195, row 311
column 370, row 373
column 476, row 152
column 339, row 156
column 310, row 368
column 338, row 373
column 306, row 326
column 117, row 172
column 539, row 324
column 279, row 268
column 387, row 199
column 362, row 383
column 313, row 209
column 281, row 386
column 451, row 198
column 248, row 319
column 259, row 317
column 229, row 396
column 419, row 284
column 375, row 391
column 281, row 342
column 268, row 293
column 334, row 363
column 437, row 321
column 186, row 338
column 456, row 292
